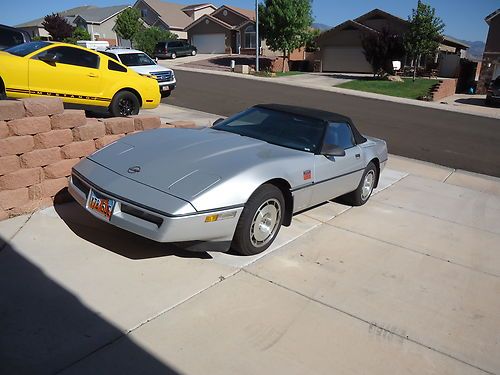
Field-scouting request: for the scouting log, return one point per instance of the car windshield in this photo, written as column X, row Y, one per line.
column 136, row 59
column 26, row 48
column 279, row 128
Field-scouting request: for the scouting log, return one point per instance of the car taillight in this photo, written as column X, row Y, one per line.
column 165, row 49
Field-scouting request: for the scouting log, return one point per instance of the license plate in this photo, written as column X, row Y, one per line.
column 165, row 88
column 103, row 206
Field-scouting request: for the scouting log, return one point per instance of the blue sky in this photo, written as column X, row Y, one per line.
column 464, row 19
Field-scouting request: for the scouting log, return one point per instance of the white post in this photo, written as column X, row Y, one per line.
column 257, row 44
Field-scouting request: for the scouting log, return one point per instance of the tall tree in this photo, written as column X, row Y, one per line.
column 424, row 34
column 58, row 28
column 128, row 23
column 381, row 48
column 146, row 38
column 78, row 34
column 285, row 24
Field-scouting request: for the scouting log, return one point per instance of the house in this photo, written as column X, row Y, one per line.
column 341, row 47
column 490, row 68
column 171, row 16
column 99, row 22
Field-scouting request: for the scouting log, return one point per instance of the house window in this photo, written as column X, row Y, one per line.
column 144, row 13
column 249, row 37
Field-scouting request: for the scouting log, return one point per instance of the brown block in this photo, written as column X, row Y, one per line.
column 21, row 178
column 107, row 139
column 60, row 169
column 9, row 164
column 91, row 130
column 42, row 106
column 119, row 125
column 3, row 215
column 183, row 124
column 41, row 158
column 78, row 149
column 11, row 109
column 4, row 130
column 144, row 122
column 31, row 207
column 70, row 118
column 50, row 188
column 29, row 125
column 16, row 145
column 13, row 198
column 53, row 138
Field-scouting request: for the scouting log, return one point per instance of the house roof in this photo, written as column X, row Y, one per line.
column 378, row 12
column 448, row 40
column 246, row 13
column 492, row 15
column 99, row 15
column 170, row 13
column 345, row 25
column 73, row 12
column 211, row 18
column 198, row 7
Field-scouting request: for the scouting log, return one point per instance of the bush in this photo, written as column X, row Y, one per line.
column 78, row 34
column 146, row 38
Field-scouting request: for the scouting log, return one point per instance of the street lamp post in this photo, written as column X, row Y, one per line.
column 257, row 40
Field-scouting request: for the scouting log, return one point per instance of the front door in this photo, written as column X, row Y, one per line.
column 74, row 75
column 337, row 175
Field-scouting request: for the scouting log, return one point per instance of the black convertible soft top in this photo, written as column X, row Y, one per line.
column 316, row 114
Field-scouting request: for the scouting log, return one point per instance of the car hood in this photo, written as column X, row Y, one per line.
column 147, row 69
column 187, row 162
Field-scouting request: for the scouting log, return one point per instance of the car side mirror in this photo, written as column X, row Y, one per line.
column 48, row 58
column 219, row 120
column 332, row 150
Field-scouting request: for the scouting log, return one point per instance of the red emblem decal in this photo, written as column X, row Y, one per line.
column 307, row 175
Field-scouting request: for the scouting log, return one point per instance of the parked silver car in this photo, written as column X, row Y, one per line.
column 232, row 185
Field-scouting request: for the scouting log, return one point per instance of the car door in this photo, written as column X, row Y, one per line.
column 73, row 74
column 337, row 175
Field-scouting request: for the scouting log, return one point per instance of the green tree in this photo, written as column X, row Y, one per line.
column 128, row 23
column 312, row 37
column 58, row 28
column 146, row 38
column 285, row 24
column 380, row 49
column 424, row 34
column 78, row 34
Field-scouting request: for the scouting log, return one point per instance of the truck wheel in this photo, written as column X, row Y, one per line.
column 124, row 104
column 260, row 221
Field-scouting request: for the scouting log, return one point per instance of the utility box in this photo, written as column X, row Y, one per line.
column 245, row 69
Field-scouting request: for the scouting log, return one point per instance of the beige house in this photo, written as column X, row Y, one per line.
column 341, row 47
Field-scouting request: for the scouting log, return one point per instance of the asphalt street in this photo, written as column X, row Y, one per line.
column 448, row 138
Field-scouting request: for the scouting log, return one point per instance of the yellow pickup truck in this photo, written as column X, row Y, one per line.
column 77, row 75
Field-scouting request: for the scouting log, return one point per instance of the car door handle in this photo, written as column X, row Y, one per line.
column 358, row 156
column 93, row 75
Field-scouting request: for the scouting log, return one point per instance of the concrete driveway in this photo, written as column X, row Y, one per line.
column 408, row 283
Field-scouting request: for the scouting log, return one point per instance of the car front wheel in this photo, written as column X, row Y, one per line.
column 260, row 221
column 124, row 104
column 193, row 53
column 365, row 188
column 173, row 55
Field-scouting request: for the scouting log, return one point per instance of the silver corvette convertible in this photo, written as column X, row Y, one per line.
column 232, row 185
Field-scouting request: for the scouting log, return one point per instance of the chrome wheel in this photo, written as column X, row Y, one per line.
column 265, row 222
column 368, row 185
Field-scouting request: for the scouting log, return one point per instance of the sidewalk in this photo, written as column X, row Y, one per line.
column 326, row 82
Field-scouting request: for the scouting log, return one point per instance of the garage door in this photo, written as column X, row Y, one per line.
column 209, row 43
column 345, row 59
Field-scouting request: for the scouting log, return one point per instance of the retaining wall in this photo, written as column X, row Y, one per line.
column 40, row 142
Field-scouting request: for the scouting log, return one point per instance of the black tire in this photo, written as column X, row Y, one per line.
column 360, row 196
column 173, row 56
column 166, row 94
column 194, row 52
column 124, row 103
column 250, row 240
column 3, row 95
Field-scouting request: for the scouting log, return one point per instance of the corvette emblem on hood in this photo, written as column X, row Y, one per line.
column 134, row 169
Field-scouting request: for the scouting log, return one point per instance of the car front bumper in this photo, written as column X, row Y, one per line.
column 195, row 228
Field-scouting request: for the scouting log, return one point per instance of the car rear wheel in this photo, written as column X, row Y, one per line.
column 365, row 188
column 124, row 103
column 173, row 55
column 260, row 221
column 193, row 53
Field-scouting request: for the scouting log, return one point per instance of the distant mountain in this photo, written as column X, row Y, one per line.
column 321, row 26
column 475, row 50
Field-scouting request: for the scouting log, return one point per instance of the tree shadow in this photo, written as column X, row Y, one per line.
column 45, row 329
column 114, row 239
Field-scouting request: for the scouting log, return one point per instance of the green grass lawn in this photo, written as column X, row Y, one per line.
column 284, row 74
column 406, row 89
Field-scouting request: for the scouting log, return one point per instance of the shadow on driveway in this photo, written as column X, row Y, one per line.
column 44, row 328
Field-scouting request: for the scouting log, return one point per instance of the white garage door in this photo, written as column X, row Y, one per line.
column 209, row 43
column 345, row 59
